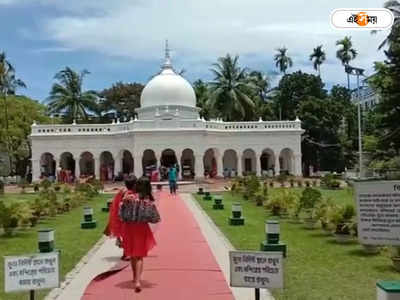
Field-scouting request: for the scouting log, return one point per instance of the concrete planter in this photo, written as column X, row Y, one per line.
column 371, row 249
column 396, row 263
column 343, row 238
column 310, row 223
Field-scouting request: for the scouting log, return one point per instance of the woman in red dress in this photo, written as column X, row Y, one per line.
column 138, row 238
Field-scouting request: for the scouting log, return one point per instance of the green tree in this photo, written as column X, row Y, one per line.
column 202, row 94
column 346, row 53
column 230, row 91
column 386, row 82
column 292, row 89
column 22, row 112
column 394, row 7
column 8, row 86
column 282, row 61
column 68, row 98
column 121, row 98
column 318, row 57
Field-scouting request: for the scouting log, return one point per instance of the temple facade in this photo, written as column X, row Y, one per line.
column 168, row 130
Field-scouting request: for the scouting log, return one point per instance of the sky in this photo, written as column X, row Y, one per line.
column 123, row 40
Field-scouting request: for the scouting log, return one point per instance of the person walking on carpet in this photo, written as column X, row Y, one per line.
column 114, row 226
column 138, row 238
column 172, row 176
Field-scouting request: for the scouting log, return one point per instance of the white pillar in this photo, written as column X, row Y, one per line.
column 77, row 168
column 297, row 165
column 220, row 165
column 258, row 165
column 97, row 167
column 117, row 164
column 277, row 166
column 137, row 163
column 198, row 166
column 239, row 165
column 35, row 170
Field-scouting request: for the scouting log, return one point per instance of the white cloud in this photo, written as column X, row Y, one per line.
column 200, row 31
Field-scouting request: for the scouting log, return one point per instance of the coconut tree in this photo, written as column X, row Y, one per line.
column 230, row 91
column 8, row 86
column 282, row 61
column 346, row 53
column 261, row 82
column 318, row 57
column 394, row 7
column 68, row 98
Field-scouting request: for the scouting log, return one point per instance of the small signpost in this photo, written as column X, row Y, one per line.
column 378, row 207
column 256, row 269
column 31, row 272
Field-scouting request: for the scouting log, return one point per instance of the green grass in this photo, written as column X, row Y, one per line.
column 316, row 267
column 73, row 241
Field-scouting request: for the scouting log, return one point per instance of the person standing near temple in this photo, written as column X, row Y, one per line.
column 172, row 176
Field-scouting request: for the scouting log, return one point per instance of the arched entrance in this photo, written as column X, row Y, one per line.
column 67, row 165
column 286, row 161
column 249, row 161
column 168, row 159
column 106, row 166
column 230, row 163
column 210, row 163
column 149, row 162
column 86, row 164
column 127, row 162
column 267, row 162
column 187, row 164
column 47, row 165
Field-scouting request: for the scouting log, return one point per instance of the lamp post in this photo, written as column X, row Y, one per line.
column 357, row 72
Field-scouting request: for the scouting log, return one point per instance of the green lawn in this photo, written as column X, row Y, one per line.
column 316, row 267
column 73, row 241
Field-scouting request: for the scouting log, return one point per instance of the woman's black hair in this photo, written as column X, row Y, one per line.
column 144, row 188
column 131, row 182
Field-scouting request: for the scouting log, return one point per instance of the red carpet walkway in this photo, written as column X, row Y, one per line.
column 180, row 267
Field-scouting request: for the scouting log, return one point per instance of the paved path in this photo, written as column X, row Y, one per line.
column 181, row 266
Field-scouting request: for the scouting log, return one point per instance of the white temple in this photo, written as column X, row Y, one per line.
column 168, row 130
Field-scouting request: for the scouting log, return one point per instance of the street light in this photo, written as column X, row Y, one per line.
column 357, row 72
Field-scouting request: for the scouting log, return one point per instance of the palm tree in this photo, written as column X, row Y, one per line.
column 230, row 90
column 8, row 86
column 319, row 57
column 282, row 61
column 261, row 82
column 67, row 97
column 394, row 7
column 346, row 53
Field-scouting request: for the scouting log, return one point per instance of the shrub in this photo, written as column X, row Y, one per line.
column 342, row 219
column 281, row 201
column 291, row 182
column 86, row 188
column 36, row 187
column 1, row 187
column 57, row 187
column 9, row 217
column 45, row 184
column 299, row 183
column 308, row 200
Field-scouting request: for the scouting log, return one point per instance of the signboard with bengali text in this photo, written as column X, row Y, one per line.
column 378, row 211
column 31, row 272
column 255, row 269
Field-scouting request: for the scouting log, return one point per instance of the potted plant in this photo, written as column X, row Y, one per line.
column 308, row 200
column 281, row 179
column 299, row 183
column 1, row 187
column 307, row 182
column 280, row 202
column 396, row 258
column 342, row 219
column 271, row 184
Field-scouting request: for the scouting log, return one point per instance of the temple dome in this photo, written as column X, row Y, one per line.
column 168, row 88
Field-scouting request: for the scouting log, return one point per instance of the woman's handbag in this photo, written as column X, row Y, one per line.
column 148, row 212
column 135, row 210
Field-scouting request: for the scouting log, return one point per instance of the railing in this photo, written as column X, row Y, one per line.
column 146, row 125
